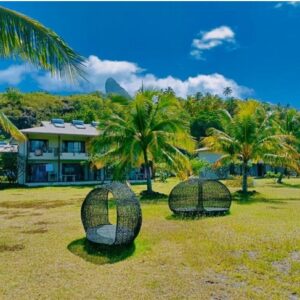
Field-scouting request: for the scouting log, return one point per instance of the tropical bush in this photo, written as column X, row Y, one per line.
column 271, row 174
column 9, row 167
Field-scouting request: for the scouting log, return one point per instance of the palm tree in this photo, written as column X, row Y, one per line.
column 289, row 123
column 145, row 132
column 24, row 38
column 247, row 137
column 227, row 91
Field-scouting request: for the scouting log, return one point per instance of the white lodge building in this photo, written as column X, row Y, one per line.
column 56, row 154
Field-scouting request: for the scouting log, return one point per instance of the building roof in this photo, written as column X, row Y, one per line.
column 68, row 129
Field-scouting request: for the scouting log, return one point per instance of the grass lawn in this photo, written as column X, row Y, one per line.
column 252, row 253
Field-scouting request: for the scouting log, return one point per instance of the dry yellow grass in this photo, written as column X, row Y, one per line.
column 252, row 253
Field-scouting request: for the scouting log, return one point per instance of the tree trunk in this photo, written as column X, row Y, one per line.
column 232, row 169
column 245, row 178
column 148, row 173
column 279, row 180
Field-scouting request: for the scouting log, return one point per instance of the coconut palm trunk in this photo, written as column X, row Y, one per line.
column 148, row 173
column 244, row 178
column 281, row 174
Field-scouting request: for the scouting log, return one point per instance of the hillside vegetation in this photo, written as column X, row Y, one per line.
column 29, row 109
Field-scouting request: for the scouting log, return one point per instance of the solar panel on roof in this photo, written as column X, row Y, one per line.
column 78, row 124
column 60, row 123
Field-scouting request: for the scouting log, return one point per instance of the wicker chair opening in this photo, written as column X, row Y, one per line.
column 196, row 196
column 95, row 215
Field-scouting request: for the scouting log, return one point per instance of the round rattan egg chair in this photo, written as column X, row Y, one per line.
column 196, row 196
column 95, row 215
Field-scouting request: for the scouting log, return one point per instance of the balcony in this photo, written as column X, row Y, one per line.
column 74, row 156
column 52, row 154
column 44, row 154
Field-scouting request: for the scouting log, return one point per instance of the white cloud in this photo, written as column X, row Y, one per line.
column 220, row 33
column 131, row 76
column 14, row 74
column 211, row 39
column 290, row 3
column 278, row 5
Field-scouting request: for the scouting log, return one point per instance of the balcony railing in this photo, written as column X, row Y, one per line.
column 53, row 152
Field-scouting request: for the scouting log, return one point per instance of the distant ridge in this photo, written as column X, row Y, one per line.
column 113, row 87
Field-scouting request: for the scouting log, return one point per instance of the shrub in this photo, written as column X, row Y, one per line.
column 271, row 174
column 198, row 165
column 9, row 166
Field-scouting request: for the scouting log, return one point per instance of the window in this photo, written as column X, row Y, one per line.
column 72, row 172
column 41, row 145
column 73, row 147
column 37, row 173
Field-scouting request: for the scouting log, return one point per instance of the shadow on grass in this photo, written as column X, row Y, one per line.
column 284, row 185
column 294, row 186
column 99, row 254
column 6, row 186
column 198, row 216
column 153, row 198
column 253, row 197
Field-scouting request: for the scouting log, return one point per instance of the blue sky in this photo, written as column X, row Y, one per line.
column 190, row 46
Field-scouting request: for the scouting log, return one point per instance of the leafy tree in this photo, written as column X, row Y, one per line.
column 14, row 95
column 198, row 165
column 9, row 166
column 204, row 121
column 145, row 132
column 248, row 136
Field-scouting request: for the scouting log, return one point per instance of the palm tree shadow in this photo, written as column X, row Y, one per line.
column 253, row 197
column 153, row 198
column 100, row 254
column 294, row 186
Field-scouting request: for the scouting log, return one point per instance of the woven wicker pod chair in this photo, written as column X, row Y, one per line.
column 196, row 196
column 95, row 215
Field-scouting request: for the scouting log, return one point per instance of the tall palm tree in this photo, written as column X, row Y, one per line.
column 24, row 38
column 227, row 91
column 149, row 130
column 248, row 137
column 289, row 123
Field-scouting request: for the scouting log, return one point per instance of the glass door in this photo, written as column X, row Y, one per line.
column 38, row 173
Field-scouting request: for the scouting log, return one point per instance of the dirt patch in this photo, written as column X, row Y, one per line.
column 8, row 248
column 293, row 296
column 14, row 215
column 295, row 256
column 34, row 231
column 41, row 223
column 35, row 205
column 2, row 212
column 252, row 254
column 240, row 253
column 282, row 266
column 275, row 207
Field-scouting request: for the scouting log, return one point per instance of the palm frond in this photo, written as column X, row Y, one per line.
column 27, row 39
column 10, row 128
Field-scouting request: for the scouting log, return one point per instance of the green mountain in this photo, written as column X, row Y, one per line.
column 113, row 87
